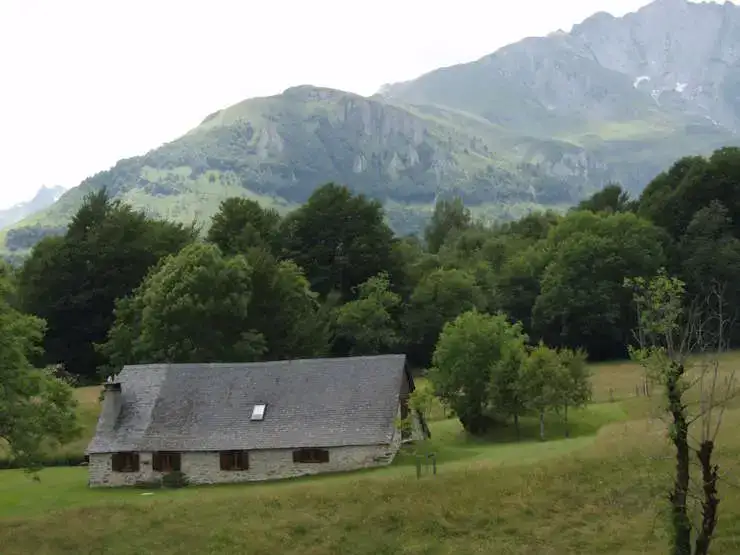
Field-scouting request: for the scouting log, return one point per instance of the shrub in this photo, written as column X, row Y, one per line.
column 47, row 461
column 148, row 484
column 175, row 479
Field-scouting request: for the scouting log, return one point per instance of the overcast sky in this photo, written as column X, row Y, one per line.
column 84, row 83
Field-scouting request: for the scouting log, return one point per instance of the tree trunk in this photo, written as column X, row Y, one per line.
column 710, row 501
column 542, row 425
column 680, row 439
column 567, row 429
column 516, row 426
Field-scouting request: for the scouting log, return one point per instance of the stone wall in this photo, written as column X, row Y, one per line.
column 204, row 467
column 100, row 472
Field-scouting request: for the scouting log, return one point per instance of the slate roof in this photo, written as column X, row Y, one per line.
column 207, row 407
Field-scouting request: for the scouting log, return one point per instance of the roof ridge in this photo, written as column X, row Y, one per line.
column 286, row 362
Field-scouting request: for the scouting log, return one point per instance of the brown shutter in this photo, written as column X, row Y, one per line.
column 135, row 462
column 225, row 460
column 157, row 462
column 244, row 460
column 176, row 462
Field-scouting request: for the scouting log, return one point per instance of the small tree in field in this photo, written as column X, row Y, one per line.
column 422, row 400
column 508, row 392
column 540, row 382
column 573, row 379
column 471, row 351
column 668, row 334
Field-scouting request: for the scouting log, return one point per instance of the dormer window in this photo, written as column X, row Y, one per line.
column 258, row 412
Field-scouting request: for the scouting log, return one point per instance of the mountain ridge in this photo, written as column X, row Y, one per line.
column 627, row 46
column 43, row 198
column 542, row 122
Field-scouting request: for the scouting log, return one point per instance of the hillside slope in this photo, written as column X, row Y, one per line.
column 44, row 197
column 540, row 123
column 279, row 149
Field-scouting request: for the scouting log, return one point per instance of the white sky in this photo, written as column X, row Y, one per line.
column 86, row 83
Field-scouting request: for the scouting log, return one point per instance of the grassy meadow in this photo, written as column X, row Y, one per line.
column 603, row 490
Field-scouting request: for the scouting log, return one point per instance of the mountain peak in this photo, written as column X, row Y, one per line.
column 669, row 6
column 46, row 192
column 313, row 92
column 44, row 197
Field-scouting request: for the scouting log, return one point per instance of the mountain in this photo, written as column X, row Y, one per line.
column 45, row 197
column 628, row 93
column 542, row 122
column 670, row 57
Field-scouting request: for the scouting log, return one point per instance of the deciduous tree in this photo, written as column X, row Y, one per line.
column 670, row 332
column 582, row 302
column 368, row 325
column 573, row 383
column 73, row 281
column 193, row 308
column 36, row 408
column 611, row 199
column 449, row 216
column 540, row 382
column 340, row 240
column 471, row 350
column 440, row 297
column 241, row 224
column 284, row 309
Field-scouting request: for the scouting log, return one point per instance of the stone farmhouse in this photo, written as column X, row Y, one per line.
column 221, row 423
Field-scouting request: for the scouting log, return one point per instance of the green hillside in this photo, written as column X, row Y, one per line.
column 278, row 149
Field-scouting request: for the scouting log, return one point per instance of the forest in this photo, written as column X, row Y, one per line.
column 502, row 318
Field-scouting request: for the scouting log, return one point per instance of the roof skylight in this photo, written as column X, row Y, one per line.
column 258, row 412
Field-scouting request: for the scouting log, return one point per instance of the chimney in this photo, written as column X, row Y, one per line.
column 111, row 403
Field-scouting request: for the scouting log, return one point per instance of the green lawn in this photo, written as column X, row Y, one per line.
column 601, row 491
column 56, row 488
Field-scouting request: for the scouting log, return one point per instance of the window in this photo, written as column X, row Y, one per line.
column 125, row 462
column 166, row 462
column 311, row 456
column 234, row 460
column 258, row 412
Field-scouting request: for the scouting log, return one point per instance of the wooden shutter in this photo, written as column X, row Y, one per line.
column 125, row 462
column 166, row 462
column 117, row 462
column 234, row 460
column 311, row 456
